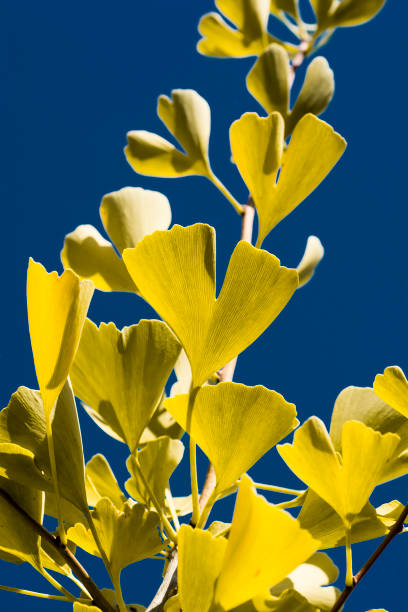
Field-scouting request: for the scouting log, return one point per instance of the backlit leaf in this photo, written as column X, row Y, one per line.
column 175, row 272
column 161, row 424
column 101, row 482
column 57, row 307
column 187, row 117
column 392, row 388
column 120, row 375
column 312, row 256
column 353, row 12
column 234, row 425
column 289, row 6
column 256, row 145
column 268, row 80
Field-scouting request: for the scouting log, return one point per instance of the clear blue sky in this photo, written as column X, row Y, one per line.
column 78, row 76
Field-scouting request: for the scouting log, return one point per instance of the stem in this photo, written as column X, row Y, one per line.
column 238, row 207
column 54, row 476
column 395, row 530
column 118, row 594
column 298, row 60
column 98, row 543
column 97, row 597
column 349, row 558
column 58, row 586
column 266, row 487
column 193, row 459
column 170, row 502
column 206, row 510
column 167, row 587
column 43, row 595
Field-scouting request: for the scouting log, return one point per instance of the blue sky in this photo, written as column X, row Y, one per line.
column 78, row 76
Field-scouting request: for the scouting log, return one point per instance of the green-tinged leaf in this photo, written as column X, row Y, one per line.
column 312, row 256
column 345, row 484
column 187, row 116
column 200, row 560
column 268, row 80
column 289, row 6
column 52, row 559
column 157, row 460
column 120, row 375
column 234, row 425
column 265, row 544
column 101, row 482
column 250, row 36
column 17, row 536
column 69, row 513
column 57, row 307
column 161, row 424
column 126, row 537
column 127, row 215
column 364, row 405
column 23, row 423
column 175, row 272
column 256, row 145
column 353, row 12
column 392, row 388
column 80, row 607
column 315, row 95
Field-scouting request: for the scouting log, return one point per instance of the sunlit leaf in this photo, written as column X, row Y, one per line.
column 187, row 117
column 250, row 35
column 80, row 607
column 346, row 13
column 265, row 544
column 345, row 484
column 175, row 272
column 57, row 307
column 161, row 424
column 234, row 425
column 182, row 370
column 120, row 375
column 392, row 388
column 268, row 80
column 157, row 460
column 200, row 560
column 256, row 145
column 312, row 256
column 101, row 482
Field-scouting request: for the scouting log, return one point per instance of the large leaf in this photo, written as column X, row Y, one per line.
column 120, row 375
column 175, row 272
column 187, row 116
column 257, row 144
column 392, row 388
column 57, row 307
column 101, row 482
column 249, row 37
column 345, row 484
column 234, row 425
column 127, row 215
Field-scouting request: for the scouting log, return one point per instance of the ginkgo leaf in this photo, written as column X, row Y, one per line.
column 312, row 256
column 256, row 145
column 23, row 423
column 127, row 216
column 175, row 272
column 345, row 484
column 234, row 425
column 362, row 404
column 198, row 549
column 265, row 544
column 346, row 13
column 157, row 460
column 81, row 607
column 182, row 369
column 392, row 388
column 289, row 6
column 126, row 537
column 187, row 116
column 268, row 80
column 161, row 424
column 120, row 375
column 250, row 36
column 57, row 307
column 101, row 482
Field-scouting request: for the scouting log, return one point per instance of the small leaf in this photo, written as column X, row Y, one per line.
column 250, row 36
column 353, row 12
column 268, row 80
column 234, row 425
column 312, row 256
column 120, row 375
column 57, row 307
column 187, row 116
column 157, row 460
column 289, row 6
column 392, row 388
column 256, row 145
column 175, row 271
column 101, row 482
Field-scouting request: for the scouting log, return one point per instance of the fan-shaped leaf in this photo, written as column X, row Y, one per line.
column 392, row 388
column 101, row 482
column 175, row 272
column 268, row 80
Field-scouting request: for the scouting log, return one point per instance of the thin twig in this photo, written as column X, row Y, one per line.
column 97, row 597
column 395, row 530
column 167, row 587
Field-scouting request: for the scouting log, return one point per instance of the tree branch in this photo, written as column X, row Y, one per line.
column 97, row 597
column 395, row 530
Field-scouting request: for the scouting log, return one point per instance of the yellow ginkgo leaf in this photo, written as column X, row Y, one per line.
column 264, row 545
column 392, row 388
column 101, row 482
column 198, row 549
column 256, row 145
column 234, row 425
column 120, row 375
column 289, row 6
column 175, row 272
column 333, row 14
column 312, row 256
column 57, row 307
column 250, row 37
column 268, row 80
column 347, row 483
column 187, row 116
column 127, row 216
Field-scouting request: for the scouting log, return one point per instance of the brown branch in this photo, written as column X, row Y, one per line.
column 395, row 530
column 97, row 597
